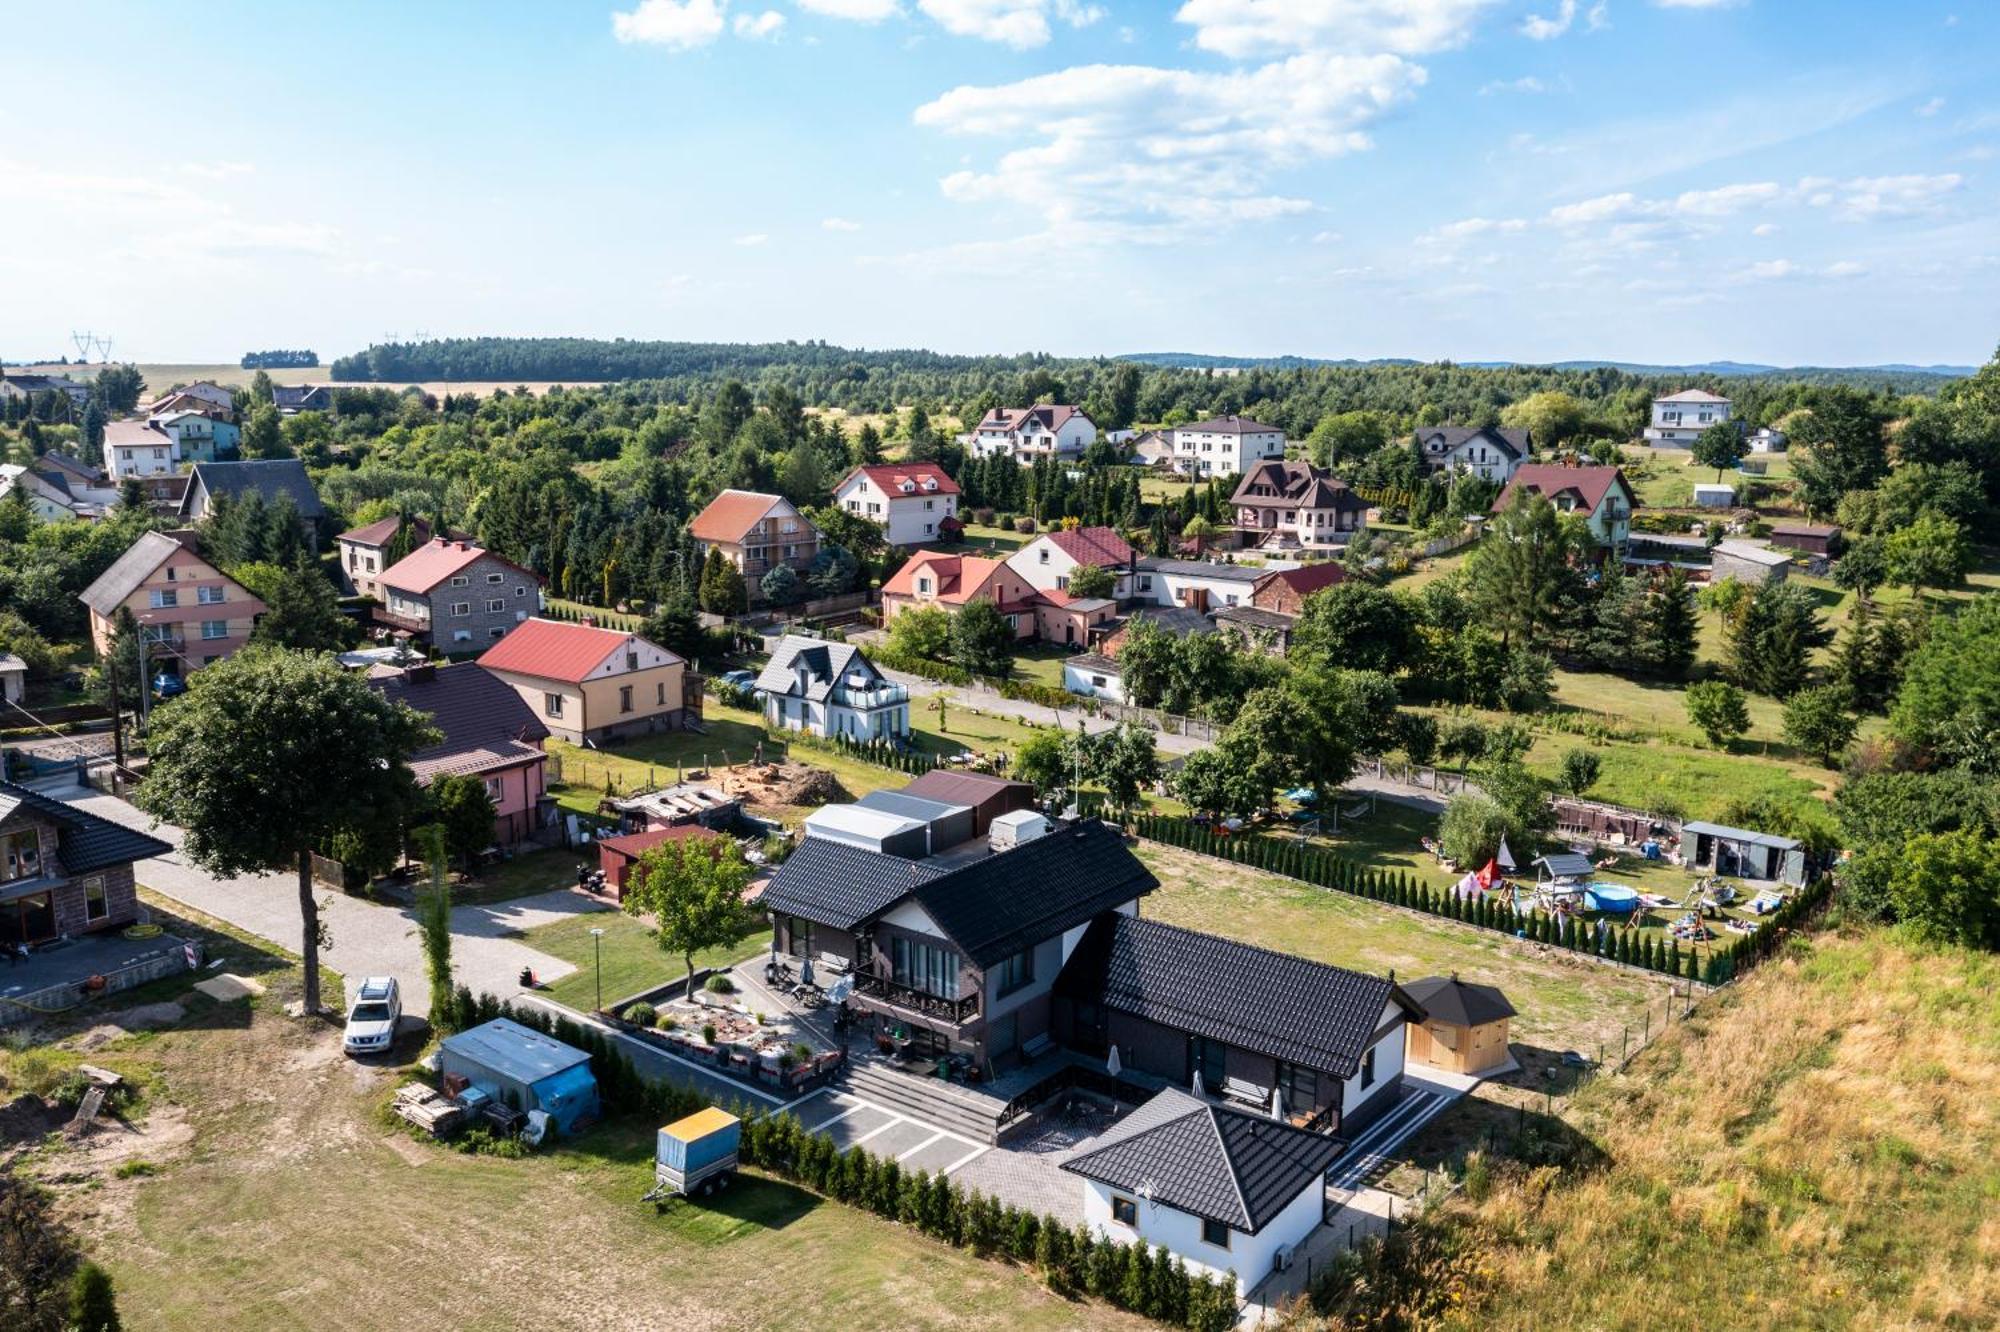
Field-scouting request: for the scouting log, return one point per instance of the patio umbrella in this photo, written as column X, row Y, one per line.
column 1488, row 873
column 806, row 971
column 1111, row 1064
column 1278, row 1104
column 842, row 988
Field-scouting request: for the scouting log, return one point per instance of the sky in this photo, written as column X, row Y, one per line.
column 1782, row 181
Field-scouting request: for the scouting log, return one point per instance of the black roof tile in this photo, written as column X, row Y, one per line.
column 86, row 842
column 994, row 908
column 839, row 886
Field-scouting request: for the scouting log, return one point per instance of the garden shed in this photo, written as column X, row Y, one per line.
column 521, row 1068
column 1744, row 854
column 1748, row 563
column 1709, row 495
column 1464, row 1028
column 947, row 824
column 875, row 830
column 989, row 796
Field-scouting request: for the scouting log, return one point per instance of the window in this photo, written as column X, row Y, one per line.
column 165, row 598
column 1124, row 1211
column 924, row 967
column 552, row 704
column 1368, row 1069
column 215, row 628
column 631, row 660
column 495, row 787
column 1216, row 1233
column 521, row 590
column 461, row 580
column 461, row 608
column 494, row 577
column 1015, row 972
column 799, row 936
column 1044, row 554
column 497, row 631
column 20, row 855
column 371, row 564
column 662, row 700
column 496, row 603
column 210, row 596
column 625, row 698
column 172, row 573
column 461, row 635
column 1300, row 1087
column 96, row 906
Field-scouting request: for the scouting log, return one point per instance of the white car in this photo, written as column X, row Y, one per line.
column 371, row 1022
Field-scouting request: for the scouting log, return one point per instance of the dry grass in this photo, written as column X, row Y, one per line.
column 1818, row 1147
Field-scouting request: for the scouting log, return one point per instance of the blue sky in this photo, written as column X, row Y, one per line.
column 1795, row 182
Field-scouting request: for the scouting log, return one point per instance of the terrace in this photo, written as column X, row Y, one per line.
column 58, row 976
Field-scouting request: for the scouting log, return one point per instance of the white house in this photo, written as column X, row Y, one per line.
column 1049, row 561
column 1488, row 451
column 51, row 497
column 1027, row 433
column 1679, row 417
column 831, row 689
column 1225, row 446
column 911, row 502
column 1201, row 585
column 1094, row 675
column 139, row 448
column 1766, row 439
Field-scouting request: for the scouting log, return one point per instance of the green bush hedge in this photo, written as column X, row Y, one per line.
column 879, row 752
column 1636, row 948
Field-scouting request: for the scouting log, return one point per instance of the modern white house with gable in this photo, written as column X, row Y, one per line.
column 831, row 689
column 1679, row 417
column 1046, row 430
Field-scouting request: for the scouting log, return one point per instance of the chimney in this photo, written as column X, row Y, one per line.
column 422, row 673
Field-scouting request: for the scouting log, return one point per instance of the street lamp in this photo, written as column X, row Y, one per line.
column 597, row 948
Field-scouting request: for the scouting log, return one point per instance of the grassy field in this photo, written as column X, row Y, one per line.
column 272, row 1193
column 1565, row 1001
column 523, row 876
column 1816, row 1148
column 632, row 958
column 1002, row 541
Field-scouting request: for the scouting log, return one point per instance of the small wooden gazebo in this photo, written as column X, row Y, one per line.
column 1464, row 1028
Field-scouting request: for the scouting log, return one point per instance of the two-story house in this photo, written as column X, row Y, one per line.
column 291, row 399
column 1045, row 430
column 140, row 448
column 755, row 532
column 1049, row 561
column 456, row 595
column 190, row 614
column 365, row 552
column 831, row 689
column 911, row 502
column 489, row 732
column 589, row 684
column 202, row 395
column 63, row 870
column 1602, row 494
column 1679, row 417
column 1292, row 505
column 1225, row 446
column 1492, row 452
column 271, row 479
column 200, row 436
column 952, row 582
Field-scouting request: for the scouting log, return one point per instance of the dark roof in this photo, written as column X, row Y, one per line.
column 825, row 664
column 1180, row 621
column 108, row 591
column 1275, row 1004
column 486, row 725
column 1236, row 573
column 1254, row 616
column 1461, row 1003
column 1214, row 1161
column 839, row 886
column 297, row 395
column 269, row 477
column 1443, row 439
column 1228, row 425
column 88, row 842
column 1292, row 483
column 994, row 908
column 383, row 530
column 969, row 788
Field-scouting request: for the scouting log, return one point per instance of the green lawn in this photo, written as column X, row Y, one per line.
column 1001, row 540
column 523, row 876
column 632, row 958
column 1042, row 664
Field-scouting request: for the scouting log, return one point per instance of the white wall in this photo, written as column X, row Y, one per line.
column 1167, row 588
column 1248, row 1257
column 1080, row 680
column 910, row 916
column 905, row 519
column 1220, row 453
column 1493, row 465
column 1388, row 1064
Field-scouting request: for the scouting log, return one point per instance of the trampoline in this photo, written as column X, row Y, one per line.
column 1613, row 898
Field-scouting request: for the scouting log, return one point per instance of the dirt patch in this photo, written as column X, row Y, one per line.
column 144, row 1017
column 412, row 1152
column 27, row 1118
column 786, row 783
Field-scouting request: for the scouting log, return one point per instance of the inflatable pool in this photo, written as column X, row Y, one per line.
column 1615, row 898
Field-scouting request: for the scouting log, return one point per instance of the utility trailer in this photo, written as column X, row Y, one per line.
column 695, row 1156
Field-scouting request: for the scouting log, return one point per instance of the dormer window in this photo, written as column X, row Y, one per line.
column 923, row 585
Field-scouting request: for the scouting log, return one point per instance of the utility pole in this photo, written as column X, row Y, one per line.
column 145, row 686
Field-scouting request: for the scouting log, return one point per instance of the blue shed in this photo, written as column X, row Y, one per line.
column 520, row 1067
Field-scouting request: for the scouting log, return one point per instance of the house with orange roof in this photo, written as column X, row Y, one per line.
column 755, row 532
column 589, row 684
column 1050, row 559
column 456, row 595
column 951, row 582
column 911, row 502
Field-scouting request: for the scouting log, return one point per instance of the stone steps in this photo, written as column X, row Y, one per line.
column 944, row 1105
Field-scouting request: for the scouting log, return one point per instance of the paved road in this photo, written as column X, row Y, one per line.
column 369, row 938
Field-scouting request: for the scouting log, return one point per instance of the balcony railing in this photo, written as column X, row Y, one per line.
column 886, row 991
column 880, row 696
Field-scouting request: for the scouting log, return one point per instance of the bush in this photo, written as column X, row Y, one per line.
column 719, row 984
column 668, row 1022
column 708, row 1032
column 641, row 1014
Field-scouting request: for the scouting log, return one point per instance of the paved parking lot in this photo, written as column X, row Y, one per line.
column 851, row 1121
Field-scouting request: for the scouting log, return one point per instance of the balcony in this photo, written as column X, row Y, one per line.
column 890, row 996
column 868, row 699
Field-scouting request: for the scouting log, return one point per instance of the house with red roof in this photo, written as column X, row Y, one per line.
column 951, row 582
column 456, row 595
column 1601, row 494
column 366, row 551
column 617, row 855
column 591, row 684
column 911, row 502
column 755, row 532
column 1050, row 559
column 1046, row 430
column 1284, row 591
column 487, row 732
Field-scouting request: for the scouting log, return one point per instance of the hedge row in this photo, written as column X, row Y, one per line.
column 1071, row 1260
column 879, row 752
column 1724, row 959
column 943, row 672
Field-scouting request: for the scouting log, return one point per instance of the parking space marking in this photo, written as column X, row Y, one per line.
column 854, row 1109
column 967, row 1159
column 920, row 1146
column 894, row 1120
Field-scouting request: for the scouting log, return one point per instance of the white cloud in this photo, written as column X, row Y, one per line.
column 1766, row 229
column 1845, row 268
column 1241, row 28
column 1725, row 200
column 1539, row 29
column 1786, row 270
column 678, row 25
column 1175, row 147
column 1603, row 208
column 1769, row 270
column 1599, row 17
column 1527, row 83
column 759, row 27
column 752, row 238
column 856, row 11
column 1472, row 226
column 216, row 170
column 1326, row 237
column 1873, row 198
column 1931, row 108
column 839, row 224
column 1017, row 23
